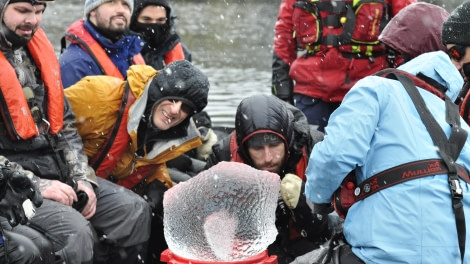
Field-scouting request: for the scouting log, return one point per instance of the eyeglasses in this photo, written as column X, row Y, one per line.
column 457, row 52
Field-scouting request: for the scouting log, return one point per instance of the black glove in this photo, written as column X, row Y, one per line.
column 82, row 197
column 15, row 189
column 154, row 196
column 283, row 91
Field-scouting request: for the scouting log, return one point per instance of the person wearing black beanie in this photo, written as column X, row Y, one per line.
column 456, row 38
column 131, row 128
column 455, row 28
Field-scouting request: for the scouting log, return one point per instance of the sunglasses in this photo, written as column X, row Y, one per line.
column 457, row 52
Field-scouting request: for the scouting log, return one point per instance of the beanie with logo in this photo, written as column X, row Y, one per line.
column 456, row 29
column 90, row 5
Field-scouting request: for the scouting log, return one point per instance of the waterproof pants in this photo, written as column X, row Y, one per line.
column 117, row 233
column 317, row 111
column 18, row 249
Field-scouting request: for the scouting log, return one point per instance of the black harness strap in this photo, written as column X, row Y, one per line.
column 449, row 149
column 405, row 172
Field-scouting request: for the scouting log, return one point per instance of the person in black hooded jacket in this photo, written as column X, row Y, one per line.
column 273, row 135
column 153, row 21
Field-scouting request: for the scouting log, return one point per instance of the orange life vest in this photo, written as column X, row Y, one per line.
column 78, row 34
column 15, row 112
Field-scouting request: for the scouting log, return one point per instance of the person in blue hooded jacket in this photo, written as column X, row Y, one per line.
column 376, row 128
column 100, row 43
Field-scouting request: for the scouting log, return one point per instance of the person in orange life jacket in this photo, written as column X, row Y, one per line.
column 100, row 43
column 457, row 41
column 155, row 129
column 38, row 135
column 318, row 55
column 153, row 21
column 275, row 136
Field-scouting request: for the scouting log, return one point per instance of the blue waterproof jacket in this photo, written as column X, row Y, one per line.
column 76, row 63
column 377, row 127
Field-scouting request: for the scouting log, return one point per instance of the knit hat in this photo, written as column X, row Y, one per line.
column 33, row 2
column 456, row 29
column 90, row 5
column 180, row 80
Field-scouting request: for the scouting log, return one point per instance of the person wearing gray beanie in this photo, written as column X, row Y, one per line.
column 92, row 4
column 100, row 43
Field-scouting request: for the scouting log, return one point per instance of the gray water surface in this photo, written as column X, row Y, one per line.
column 230, row 40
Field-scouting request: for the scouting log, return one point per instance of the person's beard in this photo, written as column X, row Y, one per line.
column 109, row 30
column 16, row 40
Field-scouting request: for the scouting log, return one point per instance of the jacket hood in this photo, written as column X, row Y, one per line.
column 260, row 114
column 416, row 29
column 180, row 80
column 141, row 4
column 438, row 66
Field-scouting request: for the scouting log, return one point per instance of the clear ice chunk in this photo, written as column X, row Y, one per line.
column 226, row 213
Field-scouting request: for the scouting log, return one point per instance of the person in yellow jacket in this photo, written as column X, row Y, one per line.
column 131, row 128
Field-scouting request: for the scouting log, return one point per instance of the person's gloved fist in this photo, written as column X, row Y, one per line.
column 291, row 189
column 16, row 188
column 209, row 138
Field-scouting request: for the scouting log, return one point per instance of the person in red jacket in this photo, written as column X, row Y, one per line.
column 322, row 48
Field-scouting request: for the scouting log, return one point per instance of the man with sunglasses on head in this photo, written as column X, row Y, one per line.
column 456, row 37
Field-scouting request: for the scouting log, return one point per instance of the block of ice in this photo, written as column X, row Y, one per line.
column 226, row 213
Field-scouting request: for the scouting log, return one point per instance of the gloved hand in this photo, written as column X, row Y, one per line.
column 16, row 188
column 154, row 195
column 291, row 189
column 283, row 90
column 209, row 138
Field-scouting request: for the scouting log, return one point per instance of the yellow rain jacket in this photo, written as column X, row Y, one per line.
column 96, row 101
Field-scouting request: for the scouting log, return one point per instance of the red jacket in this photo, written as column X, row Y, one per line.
column 332, row 66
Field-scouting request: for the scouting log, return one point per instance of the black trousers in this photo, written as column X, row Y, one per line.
column 19, row 249
column 345, row 256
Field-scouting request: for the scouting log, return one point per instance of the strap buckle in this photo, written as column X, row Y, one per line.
column 44, row 126
column 455, row 188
